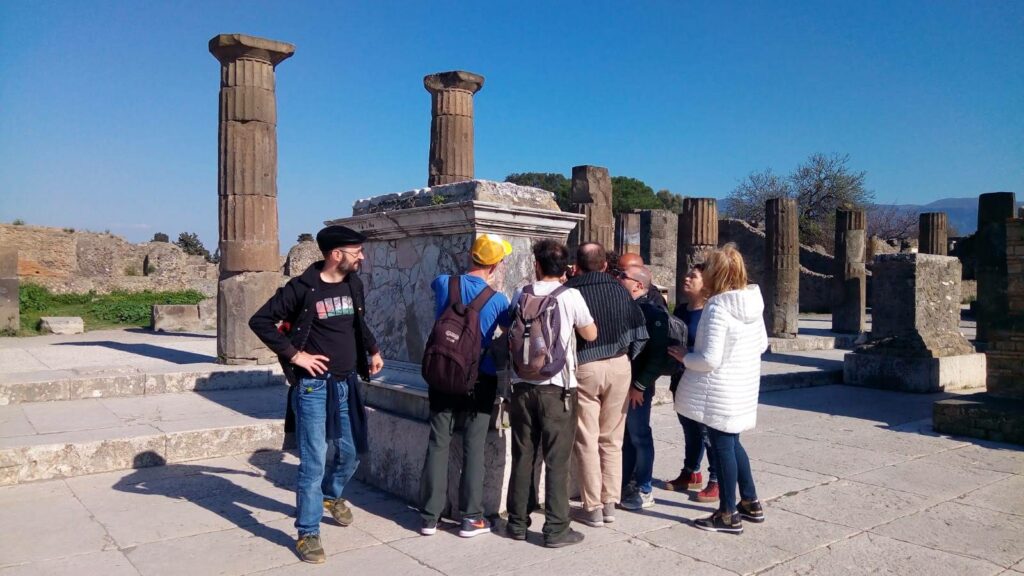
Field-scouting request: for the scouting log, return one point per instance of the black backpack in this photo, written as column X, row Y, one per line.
column 451, row 358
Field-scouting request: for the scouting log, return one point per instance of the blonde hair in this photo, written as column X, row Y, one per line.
column 724, row 270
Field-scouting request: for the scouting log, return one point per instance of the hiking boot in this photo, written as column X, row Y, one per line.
column 608, row 512
column 721, row 522
column 568, row 539
column 751, row 510
column 686, row 481
column 310, row 550
column 428, row 528
column 339, row 511
column 638, row 501
column 474, row 527
column 709, row 493
column 593, row 518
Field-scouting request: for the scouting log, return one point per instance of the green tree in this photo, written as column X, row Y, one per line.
column 556, row 183
column 670, row 201
column 630, row 194
column 189, row 242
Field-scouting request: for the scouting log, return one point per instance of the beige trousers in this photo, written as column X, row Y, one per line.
column 601, row 422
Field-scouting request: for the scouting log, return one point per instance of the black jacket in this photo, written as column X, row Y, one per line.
column 652, row 361
column 621, row 327
column 294, row 304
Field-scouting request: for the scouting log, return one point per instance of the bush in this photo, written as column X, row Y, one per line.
column 136, row 307
column 18, row 222
column 33, row 298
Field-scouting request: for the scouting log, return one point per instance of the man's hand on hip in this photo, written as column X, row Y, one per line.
column 376, row 363
column 315, row 364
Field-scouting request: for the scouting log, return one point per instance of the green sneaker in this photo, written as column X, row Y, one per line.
column 339, row 511
column 310, row 550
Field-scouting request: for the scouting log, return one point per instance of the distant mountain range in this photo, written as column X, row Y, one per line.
column 962, row 212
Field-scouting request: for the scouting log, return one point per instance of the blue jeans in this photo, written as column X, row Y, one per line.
column 733, row 469
column 320, row 479
column 695, row 438
column 638, row 448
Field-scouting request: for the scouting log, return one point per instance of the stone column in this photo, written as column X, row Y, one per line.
column 990, row 253
column 451, row 125
column 627, row 233
column 781, row 268
column 698, row 234
column 10, row 318
column 849, row 273
column 1005, row 351
column 591, row 195
column 931, row 233
column 247, row 190
column 659, row 231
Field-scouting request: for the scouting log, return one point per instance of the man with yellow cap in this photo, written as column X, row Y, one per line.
column 470, row 412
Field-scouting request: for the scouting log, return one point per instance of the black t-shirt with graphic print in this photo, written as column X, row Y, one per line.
column 333, row 331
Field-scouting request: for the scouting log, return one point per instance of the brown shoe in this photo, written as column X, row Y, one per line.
column 339, row 511
column 310, row 550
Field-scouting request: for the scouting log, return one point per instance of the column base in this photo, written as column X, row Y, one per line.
column 924, row 375
column 980, row 416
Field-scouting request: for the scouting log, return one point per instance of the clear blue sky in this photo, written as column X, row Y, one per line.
column 108, row 110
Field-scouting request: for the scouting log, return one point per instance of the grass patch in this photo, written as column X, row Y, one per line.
column 98, row 311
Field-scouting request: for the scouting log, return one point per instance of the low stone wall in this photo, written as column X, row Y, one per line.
column 68, row 261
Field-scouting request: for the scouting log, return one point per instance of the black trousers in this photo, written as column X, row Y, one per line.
column 543, row 422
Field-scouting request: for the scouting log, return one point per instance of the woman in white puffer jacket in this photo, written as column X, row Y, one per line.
column 720, row 386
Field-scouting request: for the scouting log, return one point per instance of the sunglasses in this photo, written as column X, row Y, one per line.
column 624, row 276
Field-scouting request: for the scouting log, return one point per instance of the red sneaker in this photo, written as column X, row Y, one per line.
column 709, row 493
column 686, row 481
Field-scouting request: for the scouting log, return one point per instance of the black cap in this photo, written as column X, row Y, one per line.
column 336, row 236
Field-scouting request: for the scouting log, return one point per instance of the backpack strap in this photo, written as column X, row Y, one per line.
column 453, row 290
column 481, row 299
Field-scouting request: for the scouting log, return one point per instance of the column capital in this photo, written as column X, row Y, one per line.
column 230, row 47
column 454, row 80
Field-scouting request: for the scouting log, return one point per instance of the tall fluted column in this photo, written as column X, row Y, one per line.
column 247, row 189
column 931, row 233
column 698, row 234
column 849, row 274
column 994, row 209
column 781, row 268
column 591, row 195
column 451, row 125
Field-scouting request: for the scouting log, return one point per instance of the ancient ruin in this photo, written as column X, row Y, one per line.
column 247, row 190
column 990, row 264
column 451, row 125
column 698, row 234
column 10, row 318
column 627, row 233
column 591, row 196
column 782, row 268
column 931, row 233
column 916, row 344
column 658, row 232
column 849, row 276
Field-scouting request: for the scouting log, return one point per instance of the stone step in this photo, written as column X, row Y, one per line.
column 119, row 381
column 42, row 440
column 807, row 343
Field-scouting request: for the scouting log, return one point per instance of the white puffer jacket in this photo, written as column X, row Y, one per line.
column 723, row 373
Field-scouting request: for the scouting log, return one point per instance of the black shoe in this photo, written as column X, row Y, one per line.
column 721, row 522
column 569, row 538
column 515, row 535
column 750, row 510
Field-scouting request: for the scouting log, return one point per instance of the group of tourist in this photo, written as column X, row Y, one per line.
column 584, row 346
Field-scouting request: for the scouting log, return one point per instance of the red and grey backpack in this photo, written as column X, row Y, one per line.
column 451, row 357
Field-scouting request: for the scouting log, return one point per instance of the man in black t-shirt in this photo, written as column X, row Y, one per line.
column 315, row 324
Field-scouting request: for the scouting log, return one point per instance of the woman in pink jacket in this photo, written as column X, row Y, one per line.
column 720, row 385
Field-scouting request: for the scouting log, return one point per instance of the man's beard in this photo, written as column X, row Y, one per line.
column 347, row 267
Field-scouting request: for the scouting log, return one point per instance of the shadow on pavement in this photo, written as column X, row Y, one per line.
column 149, row 332
column 203, row 486
column 149, row 350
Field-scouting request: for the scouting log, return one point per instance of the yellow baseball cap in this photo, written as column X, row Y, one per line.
column 489, row 249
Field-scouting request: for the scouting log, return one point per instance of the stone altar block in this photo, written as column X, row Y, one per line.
column 10, row 319
column 412, row 237
column 915, row 343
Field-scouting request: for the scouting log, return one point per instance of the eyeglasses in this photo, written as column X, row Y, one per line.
column 624, row 276
column 355, row 252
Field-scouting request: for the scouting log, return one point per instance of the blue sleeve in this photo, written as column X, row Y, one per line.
column 440, row 288
column 492, row 315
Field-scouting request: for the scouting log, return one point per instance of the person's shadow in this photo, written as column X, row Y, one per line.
column 202, row 486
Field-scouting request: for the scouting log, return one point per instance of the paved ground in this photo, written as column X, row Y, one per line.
column 855, row 483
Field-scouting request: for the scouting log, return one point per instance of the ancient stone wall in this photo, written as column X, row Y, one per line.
column 67, row 261
column 658, row 232
column 815, row 266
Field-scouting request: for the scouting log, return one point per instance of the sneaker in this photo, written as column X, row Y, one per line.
column 514, row 534
column 709, row 493
column 474, row 527
column 593, row 518
column 339, row 511
column 608, row 512
column 568, row 539
column 428, row 528
column 721, row 522
column 751, row 510
column 686, row 481
column 310, row 550
column 639, row 501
